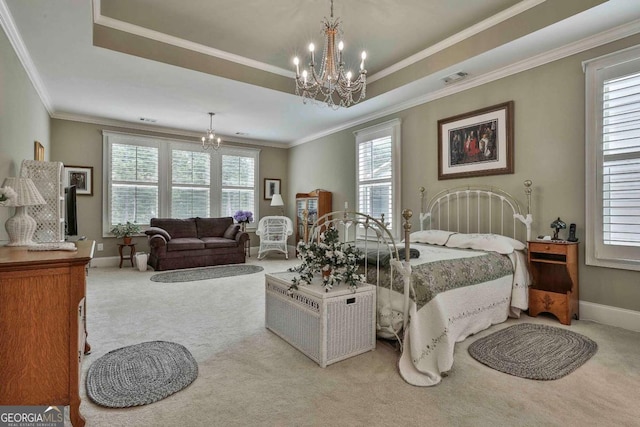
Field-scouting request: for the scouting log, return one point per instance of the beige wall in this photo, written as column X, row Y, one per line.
column 23, row 120
column 80, row 144
column 549, row 149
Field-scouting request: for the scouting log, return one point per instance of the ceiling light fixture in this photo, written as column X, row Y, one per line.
column 332, row 85
column 210, row 140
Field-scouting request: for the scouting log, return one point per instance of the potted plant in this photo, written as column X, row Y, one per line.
column 336, row 261
column 125, row 231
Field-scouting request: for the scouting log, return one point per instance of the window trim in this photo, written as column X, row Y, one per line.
column 596, row 253
column 391, row 128
column 165, row 147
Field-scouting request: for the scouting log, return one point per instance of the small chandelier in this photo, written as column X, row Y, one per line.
column 332, row 85
column 210, row 140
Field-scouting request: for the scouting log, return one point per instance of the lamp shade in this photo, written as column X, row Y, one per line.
column 276, row 200
column 20, row 227
column 27, row 193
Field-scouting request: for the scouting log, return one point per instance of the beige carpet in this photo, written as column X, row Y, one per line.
column 250, row 377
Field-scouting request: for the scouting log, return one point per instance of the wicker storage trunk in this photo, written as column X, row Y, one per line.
column 326, row 326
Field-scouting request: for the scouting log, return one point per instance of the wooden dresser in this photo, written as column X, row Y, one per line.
column 42, row 326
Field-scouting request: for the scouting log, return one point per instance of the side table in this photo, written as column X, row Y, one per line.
column 132, row 252
column 247, row 244
column 554, row 270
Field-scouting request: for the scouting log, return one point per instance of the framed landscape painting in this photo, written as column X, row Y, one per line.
column 81, row 177
column 477, row 143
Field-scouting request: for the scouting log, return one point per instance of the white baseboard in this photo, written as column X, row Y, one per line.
column 108, row 261
column 607, row 315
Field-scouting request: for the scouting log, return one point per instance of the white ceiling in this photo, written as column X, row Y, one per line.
column 254, row 41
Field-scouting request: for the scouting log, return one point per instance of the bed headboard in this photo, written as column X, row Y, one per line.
column 477, row 209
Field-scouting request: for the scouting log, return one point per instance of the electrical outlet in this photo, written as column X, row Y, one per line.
column 100, row 247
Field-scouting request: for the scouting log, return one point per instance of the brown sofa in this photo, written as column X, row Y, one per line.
column 194, row 242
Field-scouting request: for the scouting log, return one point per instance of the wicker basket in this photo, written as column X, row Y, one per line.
column 326, row 326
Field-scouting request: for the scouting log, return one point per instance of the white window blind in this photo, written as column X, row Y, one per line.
column 190, row 184
column 148, row 177
column 134, row 183
column 621, row 161
column 238, row 183
column 374, row 171
column 378, row 172
column 613, row 160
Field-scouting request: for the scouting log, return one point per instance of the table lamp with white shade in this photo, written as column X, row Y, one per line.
column 276, row 200
column 20, row 227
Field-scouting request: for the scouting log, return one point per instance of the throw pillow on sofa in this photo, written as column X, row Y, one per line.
column 231, row 231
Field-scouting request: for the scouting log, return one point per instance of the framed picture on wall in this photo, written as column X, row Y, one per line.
column 477, row 143
column 38, row 151
column 271, row 187
column 81, row 177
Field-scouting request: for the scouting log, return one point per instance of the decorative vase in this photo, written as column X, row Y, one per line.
column 126, row 240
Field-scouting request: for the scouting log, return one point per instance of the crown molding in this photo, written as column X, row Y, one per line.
column 496, row 19
column 587, row 43
column 137, row 30
column 9, row 27
column 159, row 129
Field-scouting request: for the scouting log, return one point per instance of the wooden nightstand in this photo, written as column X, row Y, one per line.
column 554, row 271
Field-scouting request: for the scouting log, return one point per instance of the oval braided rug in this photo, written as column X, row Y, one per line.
column 140, row 374
column 533, row 351
column 204, row 273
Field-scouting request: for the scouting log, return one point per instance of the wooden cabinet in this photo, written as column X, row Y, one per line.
column 554, row 270
column 310, row 207
column 42, row 326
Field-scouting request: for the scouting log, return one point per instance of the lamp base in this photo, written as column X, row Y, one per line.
column 20, row 228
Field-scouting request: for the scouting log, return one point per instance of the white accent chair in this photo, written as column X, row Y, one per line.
column 273, row 232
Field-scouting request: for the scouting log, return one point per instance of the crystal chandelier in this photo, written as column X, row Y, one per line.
column 331, row 85
column 210, row 140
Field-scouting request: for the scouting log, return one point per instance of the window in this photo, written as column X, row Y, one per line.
column 139, row 168
column 190, row 184
column 238, row 183
column 378, row 173
column 613, row 160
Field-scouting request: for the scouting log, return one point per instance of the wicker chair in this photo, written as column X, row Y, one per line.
column 273, row 232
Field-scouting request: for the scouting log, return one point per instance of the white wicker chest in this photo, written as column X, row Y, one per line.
column 326, row 326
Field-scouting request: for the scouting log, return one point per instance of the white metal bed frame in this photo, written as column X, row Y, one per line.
column 458, row 204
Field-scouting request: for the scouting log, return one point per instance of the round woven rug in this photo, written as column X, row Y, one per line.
column 534, row 351
column 205, row 273
column 140, row 374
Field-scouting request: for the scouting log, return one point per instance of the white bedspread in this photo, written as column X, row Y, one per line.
column 453, row 315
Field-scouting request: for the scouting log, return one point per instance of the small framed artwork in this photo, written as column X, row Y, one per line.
column 271, row 187
column 81, row 177
column 38, row 151
column 478, row 143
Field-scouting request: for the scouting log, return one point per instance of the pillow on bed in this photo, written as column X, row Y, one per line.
column 485, row 242
column 431, row 237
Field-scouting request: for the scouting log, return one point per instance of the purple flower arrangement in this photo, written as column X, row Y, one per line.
column 243, row 216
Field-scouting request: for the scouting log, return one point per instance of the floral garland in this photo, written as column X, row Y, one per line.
column 337, row 261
